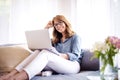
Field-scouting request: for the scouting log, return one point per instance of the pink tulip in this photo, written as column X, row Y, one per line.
column 118, row 44
column 115, row 41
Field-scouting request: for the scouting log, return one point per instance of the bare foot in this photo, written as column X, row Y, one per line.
column 4, row 77
column 20, row 76
column 7, row 76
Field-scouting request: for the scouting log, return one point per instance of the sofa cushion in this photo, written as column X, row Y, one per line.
column 10, row 56
column 87, row 63
column 80, row 76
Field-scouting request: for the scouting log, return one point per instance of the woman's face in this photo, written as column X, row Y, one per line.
column 60, row 26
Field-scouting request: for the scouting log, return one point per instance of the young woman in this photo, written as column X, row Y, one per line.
column 65, row 41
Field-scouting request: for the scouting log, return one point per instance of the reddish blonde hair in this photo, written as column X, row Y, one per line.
column 68, row 32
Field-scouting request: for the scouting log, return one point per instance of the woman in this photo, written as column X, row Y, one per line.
column 65, row 41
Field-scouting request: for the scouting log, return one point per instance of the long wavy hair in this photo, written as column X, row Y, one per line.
column 68, row 32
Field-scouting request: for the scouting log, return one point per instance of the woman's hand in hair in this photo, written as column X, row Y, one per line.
column 49, row 25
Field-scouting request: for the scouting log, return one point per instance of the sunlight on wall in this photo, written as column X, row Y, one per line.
column 28, row 15
column 93, row 21
column 4, row 20
column 34, row 14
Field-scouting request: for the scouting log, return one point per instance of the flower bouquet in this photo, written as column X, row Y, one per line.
column 106, row 51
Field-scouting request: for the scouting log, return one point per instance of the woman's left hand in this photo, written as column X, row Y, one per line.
column 65, row 56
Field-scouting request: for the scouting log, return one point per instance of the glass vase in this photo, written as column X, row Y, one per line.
column 109, row 73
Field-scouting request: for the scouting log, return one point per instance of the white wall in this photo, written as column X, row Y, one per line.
column 83, row 14
column 4, row 28
column 115, row 17
column 4, row 21
column 34, row 14
column 93, row 21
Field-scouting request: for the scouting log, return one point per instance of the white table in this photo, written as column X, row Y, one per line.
column 93, row 77
column 97, row 77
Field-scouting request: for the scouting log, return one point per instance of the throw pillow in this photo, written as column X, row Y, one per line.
column 87, row 63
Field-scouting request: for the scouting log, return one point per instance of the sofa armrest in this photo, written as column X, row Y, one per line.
column 87, row 64
column 11, row 56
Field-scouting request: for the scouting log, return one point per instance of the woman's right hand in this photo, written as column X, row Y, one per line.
column 49, row 25
column 65, row 56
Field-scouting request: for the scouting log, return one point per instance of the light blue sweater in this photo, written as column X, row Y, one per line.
column 71, row 46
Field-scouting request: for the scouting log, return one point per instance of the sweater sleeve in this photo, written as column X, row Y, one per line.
column 75, row 48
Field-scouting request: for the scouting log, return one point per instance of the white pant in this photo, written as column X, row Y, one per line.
column 37, row 61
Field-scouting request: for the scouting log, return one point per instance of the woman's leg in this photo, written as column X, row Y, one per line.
column 27, row 60
column 55, row 62
column 63, row 66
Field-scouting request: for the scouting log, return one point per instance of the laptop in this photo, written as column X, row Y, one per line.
column 39, row 39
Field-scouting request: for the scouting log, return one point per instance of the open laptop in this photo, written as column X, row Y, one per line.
column 39, row 39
